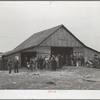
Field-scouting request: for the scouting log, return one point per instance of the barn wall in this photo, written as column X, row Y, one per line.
column 78, row 51
column 61, row 38
column 41, row 50
column 90, row 53
column 86, row 52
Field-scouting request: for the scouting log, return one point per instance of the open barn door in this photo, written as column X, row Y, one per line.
column 63, row 51
column 25, row 57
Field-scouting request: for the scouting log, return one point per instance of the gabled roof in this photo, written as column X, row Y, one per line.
column 38, row 38
column 34, row 40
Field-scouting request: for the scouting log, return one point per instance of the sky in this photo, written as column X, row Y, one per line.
column 20, row 19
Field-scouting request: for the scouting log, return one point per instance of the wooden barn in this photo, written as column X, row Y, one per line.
column 53, row 41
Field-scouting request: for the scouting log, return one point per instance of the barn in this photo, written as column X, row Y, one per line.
column 53, row 41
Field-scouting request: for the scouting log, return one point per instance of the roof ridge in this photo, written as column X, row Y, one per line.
column 52, row 33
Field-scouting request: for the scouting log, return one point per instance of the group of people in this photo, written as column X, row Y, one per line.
column 54, row 62
column 73, row 60
column 42, row 63
column 13, row 64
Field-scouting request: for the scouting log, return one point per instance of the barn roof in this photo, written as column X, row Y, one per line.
column 34, row 40
column 38, row 38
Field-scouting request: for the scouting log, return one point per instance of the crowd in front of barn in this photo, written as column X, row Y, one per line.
column 52, row 63
column 58, row 61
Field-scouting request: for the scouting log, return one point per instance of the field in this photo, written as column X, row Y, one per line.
column 67, row 78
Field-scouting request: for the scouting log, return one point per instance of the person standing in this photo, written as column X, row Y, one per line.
column 95, row 61
column 57, row 61
column 47, row 62
column 74, row 60
column 31, row 64
column 41, row 62
column 82, row 61
column 66, row 60
column 78, row 61
column 9, row 64
column 53, row 63
column 36, row 63
column 70, row 60
column 63, row 61
column 98, row 62
column 60, row 61
column 25, row 62
column 16, row 65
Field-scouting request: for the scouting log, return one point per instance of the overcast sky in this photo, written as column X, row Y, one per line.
column 19, row 20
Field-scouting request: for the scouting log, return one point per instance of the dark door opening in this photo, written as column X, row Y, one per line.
column 63, row 51
column 25, row 57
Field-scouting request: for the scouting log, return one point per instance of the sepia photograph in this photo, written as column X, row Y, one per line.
column 50, row 45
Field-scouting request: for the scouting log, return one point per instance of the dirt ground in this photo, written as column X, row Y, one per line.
column 67, row 78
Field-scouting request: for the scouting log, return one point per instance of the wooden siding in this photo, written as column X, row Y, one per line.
column 61, row 38
column 41, row 51
column 90, row 53
column 78, row 49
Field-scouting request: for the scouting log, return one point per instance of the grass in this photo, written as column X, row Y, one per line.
column 67, row 78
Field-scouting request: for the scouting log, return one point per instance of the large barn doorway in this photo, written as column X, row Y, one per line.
column 25, row 57
column 63, row 51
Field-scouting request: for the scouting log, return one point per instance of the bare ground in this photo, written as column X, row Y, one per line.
column 67, row 78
